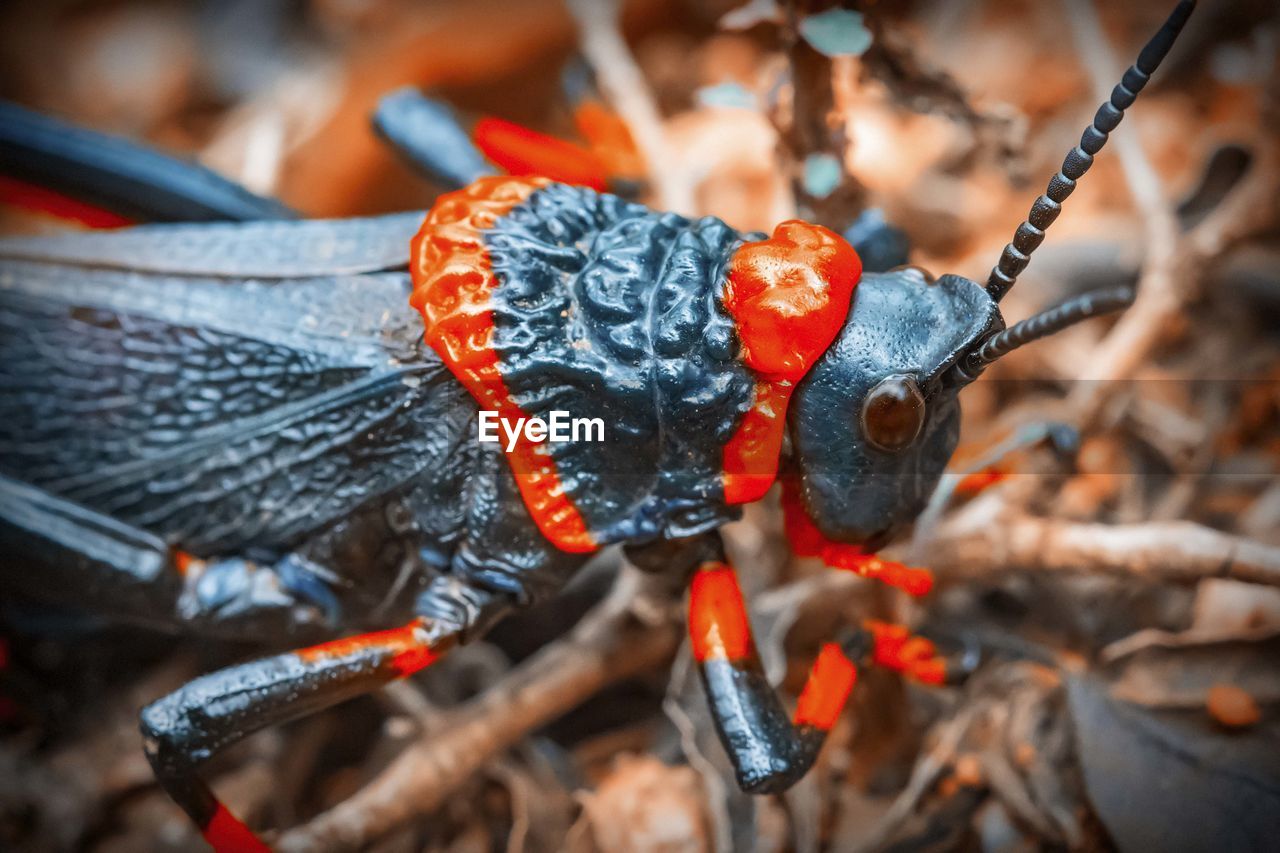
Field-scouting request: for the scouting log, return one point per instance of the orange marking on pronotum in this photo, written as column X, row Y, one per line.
column 409, row 647
column 525, row 152
column 789, row 297
column 807, row 541
column 825, row 693
column 453, row 282
column 30, row 197
column 718, row 626
column 226, row 834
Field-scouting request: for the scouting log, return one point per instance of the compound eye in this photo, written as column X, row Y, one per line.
column 893, row 413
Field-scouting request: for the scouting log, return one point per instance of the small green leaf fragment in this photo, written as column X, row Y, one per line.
column 821, row 175
column 836, row 32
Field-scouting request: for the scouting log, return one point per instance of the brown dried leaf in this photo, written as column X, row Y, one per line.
column 645, row 806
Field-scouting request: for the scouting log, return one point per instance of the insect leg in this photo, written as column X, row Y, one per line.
column 892, row 646
column 195, row 722
column 104, row 180
column 769, row 751
column 808, row 541
column 426, row 133
column 76, row 555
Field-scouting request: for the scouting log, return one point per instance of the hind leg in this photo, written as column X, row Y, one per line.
column 58, row 550
column 106, row 181
column 200, row 719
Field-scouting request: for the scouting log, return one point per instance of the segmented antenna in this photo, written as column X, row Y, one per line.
column 1044, row 324
column 1045, row 209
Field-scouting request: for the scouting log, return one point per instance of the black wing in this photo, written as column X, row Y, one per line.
column 269, row 249
column 218, row 413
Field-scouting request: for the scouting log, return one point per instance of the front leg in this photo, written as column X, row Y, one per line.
column 79, row 557
column 200, row 719
column 771, row 750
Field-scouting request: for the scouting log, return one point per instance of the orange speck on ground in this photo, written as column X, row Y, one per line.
column 969, row 771
column 978, row 481
column 1232, row 706
column 182, row 561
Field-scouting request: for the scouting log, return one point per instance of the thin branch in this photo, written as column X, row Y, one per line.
column 987, row 538
column 610, row 644
column 624, row 85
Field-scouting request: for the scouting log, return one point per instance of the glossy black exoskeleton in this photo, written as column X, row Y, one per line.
column 237, row 428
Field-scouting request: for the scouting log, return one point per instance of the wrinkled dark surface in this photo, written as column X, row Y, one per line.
column 608, row 309
column 299, row 422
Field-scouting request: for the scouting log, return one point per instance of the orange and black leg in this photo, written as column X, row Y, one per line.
column 203, row 717
column 770, row 750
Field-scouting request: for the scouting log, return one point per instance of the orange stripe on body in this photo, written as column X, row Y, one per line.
column 827, row 690
column 718, row 625
column 453, row 283
column 409, row 646
column 789, row 297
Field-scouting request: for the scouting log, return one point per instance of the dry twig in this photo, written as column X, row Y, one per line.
column 622, row 636
column 1175, row 263
column 623, row 83
column 989, row 537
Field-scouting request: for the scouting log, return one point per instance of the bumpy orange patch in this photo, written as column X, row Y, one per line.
column 453, row 282
column 789, row 296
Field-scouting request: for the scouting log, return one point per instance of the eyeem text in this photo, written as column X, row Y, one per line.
column 558, row 427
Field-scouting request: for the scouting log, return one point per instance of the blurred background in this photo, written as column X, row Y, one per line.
column 1118, row 579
